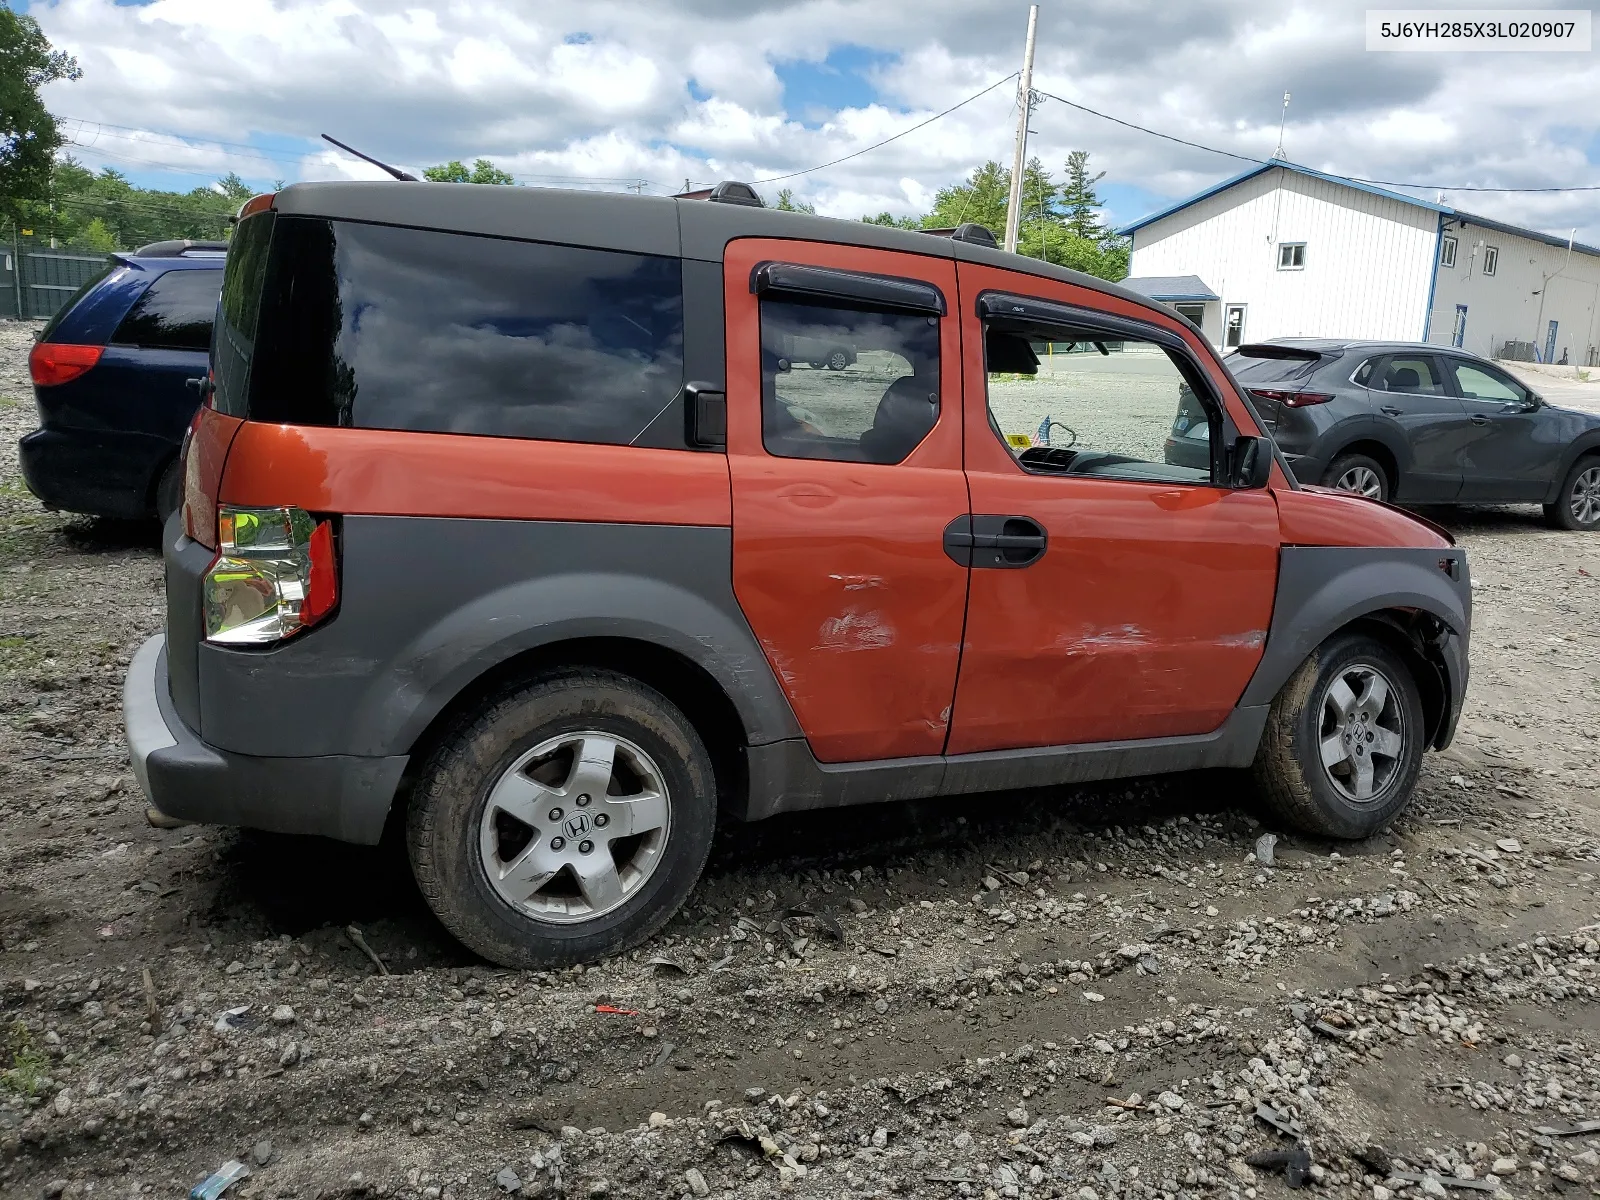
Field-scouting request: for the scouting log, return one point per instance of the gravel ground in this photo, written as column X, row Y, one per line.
column 1085, row 993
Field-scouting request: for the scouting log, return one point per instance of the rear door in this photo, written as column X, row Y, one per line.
column 1515, row 443
column 1408, row 390
column 844, row 481
column 1130, row 590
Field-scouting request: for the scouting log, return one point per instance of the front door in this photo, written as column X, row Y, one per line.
column 846, row 471
column 1129, row 592
column 1408, row 392
column 1516, row 442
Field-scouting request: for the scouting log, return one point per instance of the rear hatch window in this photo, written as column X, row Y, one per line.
column 1250, row 370
column 94, row 281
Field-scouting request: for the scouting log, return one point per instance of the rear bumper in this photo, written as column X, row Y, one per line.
column 338, row 796
column 104, row 474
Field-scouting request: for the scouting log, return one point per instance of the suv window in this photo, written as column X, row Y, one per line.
column 174, row 313
column 382, row 327
column 234, row 338
column 1124, row 409
column 1247, row 368
column 1479, row 383
column 851, row 384
column 1411, row 374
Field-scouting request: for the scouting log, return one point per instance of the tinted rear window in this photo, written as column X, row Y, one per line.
column 234, row 339
column 174, row 313
column 1248, row 369
column 72, row 301
column 391, row 328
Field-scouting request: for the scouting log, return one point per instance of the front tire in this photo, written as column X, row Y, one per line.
column 169, row 490
column 838, row 360
column 1360, row 475
column 568, row 821
column 1577, row 505
column 1344, row 739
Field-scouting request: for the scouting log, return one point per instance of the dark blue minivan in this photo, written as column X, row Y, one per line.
column 111, row 375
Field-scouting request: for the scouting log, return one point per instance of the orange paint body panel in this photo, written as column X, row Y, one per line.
column 202, row 472
column 1329, row 518
column 380, row 472
column 839, row 566
column 1148, row 612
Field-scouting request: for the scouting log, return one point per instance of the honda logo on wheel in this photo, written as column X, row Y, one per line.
column 577, row 825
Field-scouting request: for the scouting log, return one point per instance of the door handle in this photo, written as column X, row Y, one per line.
column 996, row 542
column 1390, row 409
column 1479, row 420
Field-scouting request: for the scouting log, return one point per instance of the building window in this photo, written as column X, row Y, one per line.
column 1447, row 252
column 1233, row 327
column 1291, row 256
column 1491, row 259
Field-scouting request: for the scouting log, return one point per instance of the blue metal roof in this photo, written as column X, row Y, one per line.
column 1279, row 163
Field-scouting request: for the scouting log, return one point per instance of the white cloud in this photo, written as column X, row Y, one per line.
column 601, row 89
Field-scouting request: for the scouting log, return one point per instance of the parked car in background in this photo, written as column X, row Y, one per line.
column 501, row 514
column 1421, row 424
column 111, row 376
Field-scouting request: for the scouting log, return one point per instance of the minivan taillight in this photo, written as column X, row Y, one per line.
column 275, row 574
column 50, row 363
column 1291, row 399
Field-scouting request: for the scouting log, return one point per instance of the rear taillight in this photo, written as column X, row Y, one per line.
column 1291, row 399
column 275, row 574
column 51, row 363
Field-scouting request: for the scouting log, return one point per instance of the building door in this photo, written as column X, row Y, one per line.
column 844, row 481
column 1460, row 334
column 1233, row 327
column 1550, row 343
column 1124, row 592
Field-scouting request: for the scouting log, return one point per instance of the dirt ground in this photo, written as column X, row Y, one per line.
column 1083, row 993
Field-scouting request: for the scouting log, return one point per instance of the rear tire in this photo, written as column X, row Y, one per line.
column 565, row 822
column 838, row 360
column 1360, row 475
column 169, row 490
column 1577, row 505
column 1344, row 739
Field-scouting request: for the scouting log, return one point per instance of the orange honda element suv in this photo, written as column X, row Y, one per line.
column 535, row 519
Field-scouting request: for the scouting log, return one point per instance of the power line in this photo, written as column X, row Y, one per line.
column 895, row 138
column 1261, row 162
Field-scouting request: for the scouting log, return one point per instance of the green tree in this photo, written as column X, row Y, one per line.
column 455, row 171
column 28, row 134
column 893, row 222
column 786, row 203
column 78, row 197
column 1080, row 204
column 97, row 235
column 234, row 189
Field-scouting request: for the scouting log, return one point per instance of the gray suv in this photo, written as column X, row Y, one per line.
column 1421, row 424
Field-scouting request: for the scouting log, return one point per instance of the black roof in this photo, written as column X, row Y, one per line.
column 695, row 229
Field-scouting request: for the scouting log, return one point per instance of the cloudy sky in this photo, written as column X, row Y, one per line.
column 648, row 93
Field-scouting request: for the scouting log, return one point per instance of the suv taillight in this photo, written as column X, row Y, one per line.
column 50, row 363
column 275, row 574
column 1291, row 399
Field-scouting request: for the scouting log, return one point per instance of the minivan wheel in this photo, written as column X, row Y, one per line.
column 1344, row 740
column 838, row 360
column 169, row 490
column 1577, row 505
column 566, row 822
column 1359, row 474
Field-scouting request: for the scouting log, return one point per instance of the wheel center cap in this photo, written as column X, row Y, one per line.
column 577, row 825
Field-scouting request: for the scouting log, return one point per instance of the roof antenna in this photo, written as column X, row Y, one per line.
column 1278, row 153
column 382, row 166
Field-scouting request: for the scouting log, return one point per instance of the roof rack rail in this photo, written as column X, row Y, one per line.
column 730, row 191
column 967, row 231
column 177, row 247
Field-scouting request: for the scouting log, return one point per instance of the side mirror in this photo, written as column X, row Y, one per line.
column 1250, row 462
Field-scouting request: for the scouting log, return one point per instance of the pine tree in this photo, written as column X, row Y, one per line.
column 1079, row 200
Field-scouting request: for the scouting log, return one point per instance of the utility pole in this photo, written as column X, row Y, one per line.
column 1019, row 161
column 1282, row 121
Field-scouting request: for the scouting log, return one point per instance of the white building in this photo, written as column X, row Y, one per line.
column 1284, row 251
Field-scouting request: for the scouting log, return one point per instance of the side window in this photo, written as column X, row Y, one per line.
column 1408, row 374
column 1477, row 383
column 381, row 327
column 1124, row 409
column 174, row 313
column 849, row 384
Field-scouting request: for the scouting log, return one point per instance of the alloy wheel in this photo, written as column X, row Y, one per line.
column 575, row 827
column 1362, row 732
column 1584, row 501
column 1363, row 481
